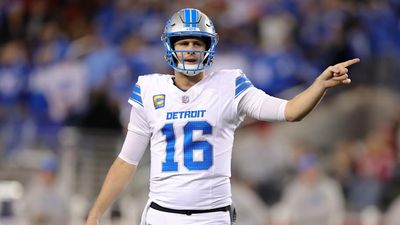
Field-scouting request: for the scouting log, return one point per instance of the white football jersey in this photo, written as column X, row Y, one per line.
column 191, row 134
column 191, row 137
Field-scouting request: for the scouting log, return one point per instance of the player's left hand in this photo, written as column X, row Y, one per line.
column 336, row 75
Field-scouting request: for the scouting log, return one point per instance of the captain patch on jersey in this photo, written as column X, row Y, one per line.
column 159, row 101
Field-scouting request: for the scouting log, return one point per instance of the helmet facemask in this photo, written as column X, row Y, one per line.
column 203, row 60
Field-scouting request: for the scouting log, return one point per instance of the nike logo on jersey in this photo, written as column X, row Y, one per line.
column 185, row 114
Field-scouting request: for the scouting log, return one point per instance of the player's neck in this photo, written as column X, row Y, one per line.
column 184, row 82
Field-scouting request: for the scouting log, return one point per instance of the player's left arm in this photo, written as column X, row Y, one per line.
column 302, row 104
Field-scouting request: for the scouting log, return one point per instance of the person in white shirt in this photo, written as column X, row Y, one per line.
column 189, row 119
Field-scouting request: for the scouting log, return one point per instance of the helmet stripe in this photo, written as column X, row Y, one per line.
column 195, row 16
column 186, row 18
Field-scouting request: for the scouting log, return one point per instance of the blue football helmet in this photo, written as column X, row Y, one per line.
column 189, row 23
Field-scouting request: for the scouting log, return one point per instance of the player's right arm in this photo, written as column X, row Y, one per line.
column 116, row 180
column 120, row 172
column 124, row 167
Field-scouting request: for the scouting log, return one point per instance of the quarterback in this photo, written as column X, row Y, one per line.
column 189, row 119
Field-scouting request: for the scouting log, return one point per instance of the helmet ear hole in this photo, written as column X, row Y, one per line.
column 207, row 40
column 172, row 41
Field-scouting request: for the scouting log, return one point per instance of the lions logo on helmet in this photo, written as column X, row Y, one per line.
column 189, row 23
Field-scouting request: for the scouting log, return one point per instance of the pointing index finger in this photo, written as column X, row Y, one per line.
column 350, row 62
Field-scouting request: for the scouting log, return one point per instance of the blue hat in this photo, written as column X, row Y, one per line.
column 49, row 164
column 307, row 161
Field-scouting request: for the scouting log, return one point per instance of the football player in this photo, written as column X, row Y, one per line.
column 189, row 119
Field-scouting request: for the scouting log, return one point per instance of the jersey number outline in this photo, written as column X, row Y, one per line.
column 188, row 147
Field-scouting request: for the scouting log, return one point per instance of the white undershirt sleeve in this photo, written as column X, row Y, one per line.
column 137, row 137
column 261, row 106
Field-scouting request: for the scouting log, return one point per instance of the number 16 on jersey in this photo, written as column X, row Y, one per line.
column 189, row 146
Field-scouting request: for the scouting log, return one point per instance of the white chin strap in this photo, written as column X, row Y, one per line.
column 189, row 70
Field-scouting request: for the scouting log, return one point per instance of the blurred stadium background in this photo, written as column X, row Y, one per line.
column 67, row 67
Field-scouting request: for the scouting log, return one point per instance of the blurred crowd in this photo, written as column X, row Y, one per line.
column 340, row 166
column 73, row 63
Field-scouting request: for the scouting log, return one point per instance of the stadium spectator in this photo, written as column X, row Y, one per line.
column 375, row 164
column 14, row 114
column 43, row 202
column 312, row 198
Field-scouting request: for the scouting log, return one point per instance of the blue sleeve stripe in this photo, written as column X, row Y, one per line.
column 240, row 80
column 136, row 89
column 135, row 97
column 242, row 88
